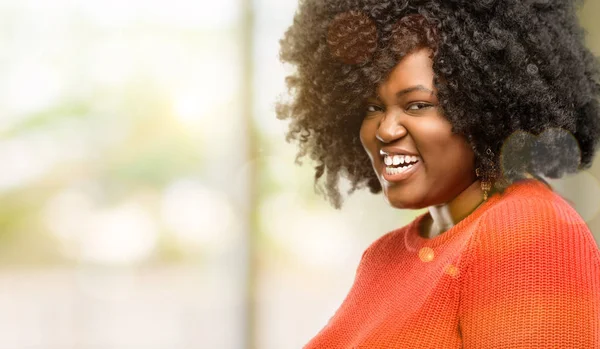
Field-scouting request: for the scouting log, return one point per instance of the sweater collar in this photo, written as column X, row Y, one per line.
column 414, row 240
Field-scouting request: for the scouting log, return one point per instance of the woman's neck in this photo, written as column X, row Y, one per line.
column 445, row 216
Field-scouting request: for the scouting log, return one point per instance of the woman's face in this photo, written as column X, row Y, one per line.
column 403, row 125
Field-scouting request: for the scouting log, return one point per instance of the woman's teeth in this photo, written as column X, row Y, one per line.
column 397, row 170
column 395, row 160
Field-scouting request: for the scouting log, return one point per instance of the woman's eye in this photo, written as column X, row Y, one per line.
column 371, row 108
column 418, row 106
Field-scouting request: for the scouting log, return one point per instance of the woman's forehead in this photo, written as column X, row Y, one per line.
column 413, row 73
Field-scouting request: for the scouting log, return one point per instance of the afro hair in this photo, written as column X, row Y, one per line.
column 514, row 77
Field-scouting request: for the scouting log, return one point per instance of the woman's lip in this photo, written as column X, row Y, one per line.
column 400, row 176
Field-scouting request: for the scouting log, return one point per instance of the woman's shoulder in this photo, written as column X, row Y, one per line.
column 533, row 261
column 533, row 214
column 531, row 201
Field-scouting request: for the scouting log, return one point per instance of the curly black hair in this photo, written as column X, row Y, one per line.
column 514, row 77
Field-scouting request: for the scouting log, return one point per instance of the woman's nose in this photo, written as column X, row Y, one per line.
column 390, row 128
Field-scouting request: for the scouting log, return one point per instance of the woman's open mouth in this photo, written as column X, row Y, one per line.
column 399, row 167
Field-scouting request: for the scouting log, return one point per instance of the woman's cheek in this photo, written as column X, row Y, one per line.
column 367, row 139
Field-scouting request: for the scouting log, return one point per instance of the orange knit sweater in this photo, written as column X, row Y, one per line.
column 521, row 271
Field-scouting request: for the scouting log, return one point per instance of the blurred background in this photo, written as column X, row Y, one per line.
column 148, row 198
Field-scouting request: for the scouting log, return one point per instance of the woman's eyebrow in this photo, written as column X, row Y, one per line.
column 412, row 89
column 399, row 94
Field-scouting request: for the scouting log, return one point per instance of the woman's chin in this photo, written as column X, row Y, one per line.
column 403, row 204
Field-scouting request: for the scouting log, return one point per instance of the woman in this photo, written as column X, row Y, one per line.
column 460, row 106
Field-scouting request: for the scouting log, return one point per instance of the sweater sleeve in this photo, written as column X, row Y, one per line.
column 533, row 280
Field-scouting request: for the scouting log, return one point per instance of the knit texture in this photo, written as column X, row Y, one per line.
column 521, row 271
